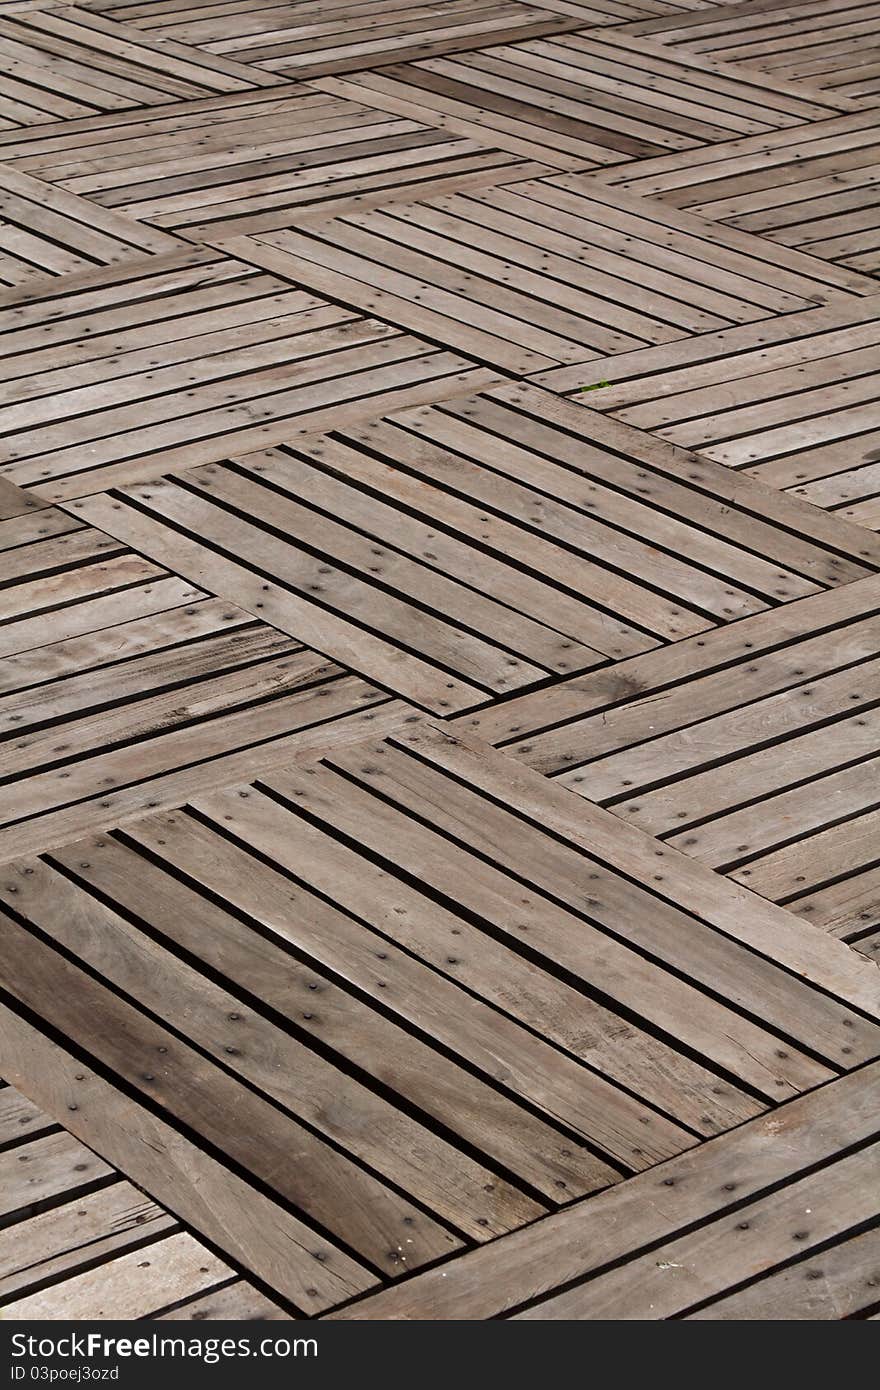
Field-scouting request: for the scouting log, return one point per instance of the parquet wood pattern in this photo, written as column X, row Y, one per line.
column 836, row 52
column 439, row 651
column 79, row 1241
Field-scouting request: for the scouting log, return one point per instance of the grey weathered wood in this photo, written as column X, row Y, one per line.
column 130, row 1286
column 228, row 1210
column 398, row 1060
column 276, row 1065
column 643, row 1212
column 743, row 916
column 835, row 1284
column 43, row 1168
column 51, row 1247
column 731, row 1250
column 323, row 1182
column 439, row 712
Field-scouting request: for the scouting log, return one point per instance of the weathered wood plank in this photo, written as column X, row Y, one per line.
column 687, row 1191
column 685, row 1272
column 330, row 1188
column 468, row 790
column 789, row 42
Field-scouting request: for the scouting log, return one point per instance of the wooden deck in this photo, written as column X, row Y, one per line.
column 78, row 1241
column 440, row 682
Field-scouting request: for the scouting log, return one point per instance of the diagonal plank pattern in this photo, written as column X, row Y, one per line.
column 255, row 160
column 288, row 861
column 581, row 1246
column 46, row 231
column 145, row 367
column 836, row 52
column 576, row 272
column 795, row 407
column 67, row 62
column 79, row 1241
column 812, row 189
column 579, row 98
column 758, row 755
column 493, row 486
column 439, row 649
column 337, row 35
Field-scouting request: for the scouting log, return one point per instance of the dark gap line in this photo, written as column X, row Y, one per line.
column 487, row 927
column 693, row 1226
column 795, row 683
column 643, row 888
column 536, row 957
column 732, row 865
column 748, row 802
column 533, row 529
column 169, row 1117
column 696, row 486
column 267, row 1014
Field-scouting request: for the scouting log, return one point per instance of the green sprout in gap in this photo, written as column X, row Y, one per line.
column 595, row 386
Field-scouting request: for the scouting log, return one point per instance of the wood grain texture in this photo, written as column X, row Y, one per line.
column 439, row 660
column 832, row 52
column 84, row 1243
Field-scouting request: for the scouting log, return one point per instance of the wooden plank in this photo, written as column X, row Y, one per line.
column 235, row 1301
column 15, row 502
column 305, row 42
column 45, row 1167
column 175, row 386
column 45, row 229
column 56, row 782
column 793, row 408
column 792, row 271
column 642, row 1213
column 537, row 92
column 391, row 90
column 49, row 1249
column 455, row 566
column 695, row 955
column 89, row 1242
column 729, row 735
column 123, row 688
column 796, row 42
column 491, row 973
column 323, row 1183
column 744, row 162
column 101, row 1248
column 786, row 941
column 836, row 1284
column 112, row 943
column 127, row 1288
column 168, row 787
column 629, row 383
column 430, row 268
column 279, row 505
column 727, row 97
column 252, row 164
column 526, row 718
column 332, row 1103
column 149, row 593
column 686, row 1271
column 723, row 487
column 278, row 600
column 439, row 602
column 19, row 1118
column 30, row 526
column 739, row 757
column 845, row 908
column 70, row 63
column 425, row 1077
column 616, row 969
